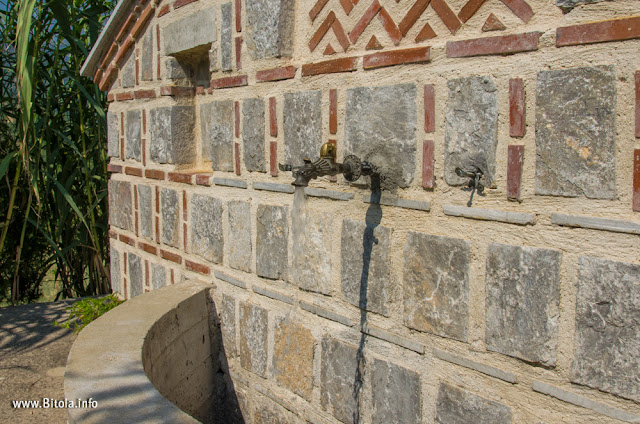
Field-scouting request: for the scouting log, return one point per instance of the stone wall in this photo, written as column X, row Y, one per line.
column 401, row 305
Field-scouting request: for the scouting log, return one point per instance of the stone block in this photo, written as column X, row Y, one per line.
column 128, row 72
column 607, row 340
column 396, row 394
column 272, row 241
column 293, row 357
column 436, row 285
column 206, row 228
column 133, row 140
column 216, row 124
column 113, row 135
column 567, row 5
column 120, row 205
column 457, row 406
column 171, row 134
column 312, row 240
column 145, row 204
column 170, row 214
column 114, row 268
column 253, row 338
column 191, row 34
column 158, row 276
column 269, row 25
column 523, row 296
column 146, row 56
column 365, row 270
column 380, row 127
column 239, row 241
column 253, row 134
column 339, row 363
column 228, row 325
column 136, row 275
column 266, row 411
column 575, row 132
column 302, row 126
column 175, row 70
column 225, row 37
column 471, row 129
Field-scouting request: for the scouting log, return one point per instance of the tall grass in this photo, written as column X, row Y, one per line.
column 53, row 179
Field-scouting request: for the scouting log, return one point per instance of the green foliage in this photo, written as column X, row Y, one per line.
column 85, row 311
column 53, row 162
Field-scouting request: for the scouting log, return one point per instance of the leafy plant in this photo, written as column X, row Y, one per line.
column 87, row 310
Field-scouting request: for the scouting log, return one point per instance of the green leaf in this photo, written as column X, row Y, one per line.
column 4, row 165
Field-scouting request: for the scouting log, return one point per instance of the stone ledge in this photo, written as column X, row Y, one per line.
column 325, row 313
column 401, row 203
column 574, row 399
column 279, row 188
column 224, row 277
column 273, row 295
column 229, row 182
column 393, row 338
column 518, row 218
column 509, row 377
column 594, row 223
column 328, row 194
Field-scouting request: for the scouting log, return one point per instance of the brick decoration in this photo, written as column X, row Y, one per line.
column 114, row 169
column 237, row 158
column 506, row 44
column 273, row 159
column 181, row 177
column 176, row 91
column 636, row 180
column 228, row 82
column 197, row 267
column 238, row 42
column 345, row 64
column 132, row 170
column 127, row 95
column 179, row 3
column 397, row 57
column 429, row 108
column 276, row 74
column 238, row 15
column 148, row 248
column 637, row 85
column 128, row 240
column 203, row 180
column 173, row 257
column 273, row 117
column 515, row 161
column 236, row 114
column 599, row 32
column 428, row 179
column 145, row 94
column 333, row 111
column 516, row 107
column 163, row 10
column 154, row 174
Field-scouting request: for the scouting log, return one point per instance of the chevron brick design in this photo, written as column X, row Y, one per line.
column 397, row 31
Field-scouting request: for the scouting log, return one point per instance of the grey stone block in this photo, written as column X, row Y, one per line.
column 273, row 294
column 145, row 205
column 219, row 275
column 225, row 37
column 595, row 223
column 401, row 203
column 302, row 126
column 471, row 129
column 457, row 406
column 523, row 296
column 136, row 277
column 575, row 132
column 396, row 394
column 113, row 135
column 380, row 127
column 158, row 276
column 272, row 241
column 114, row 268
column 270, row 411
column 607, row 340
column 146, row 56
column 228, row 325
column 509, row 377
column 392, row 338
column 192, row 34
column 339, row 362
column 270, row 27
column 253, row 338
column 436, row 285
column 175, row 70
column 253, row 134
column 206, row 228
column 230, row 182
column 365, row 270
column 328, row 194
column 133, row 141
column 170, row 214
column 279, row 188
column 120, row 205
column 239, row 240
column 325, row 313
column 128, row 73
column 311, row 251
column 567, row 5
column 508, row 217
column 216, row 124
column 171, row 134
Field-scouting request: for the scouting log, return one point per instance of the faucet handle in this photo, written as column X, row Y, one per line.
column 284, row 167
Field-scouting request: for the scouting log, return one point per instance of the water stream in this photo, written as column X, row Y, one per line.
column 298, row 226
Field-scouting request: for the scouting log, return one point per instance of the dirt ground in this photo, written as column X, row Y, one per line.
column 33, row 356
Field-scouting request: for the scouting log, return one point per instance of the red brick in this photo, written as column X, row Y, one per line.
column 137, row 69
column 412, row 16
column 347, row 5
column 236, row 108
column 239, row 15
column 128, row 240
column 132, row 170
column 317, row 8
column 390, row 26
column 598, row 32
column 148, row 248
column 122, row 148
column 506, row 44
column 201, row 90
column 637, row 104
column 98, row 76
column 175, row 91
column 127, row 95
column 636, row 180
column 170, row 256
column 122, row 123
column 180, row 3
column 470, row 9
column 514, row 171
column 429, row 108
column 185, row 237
column 340, row 34
column 108, row 77
column 238, row 53
column 124, row 258
column 116, row 169
column 203, row 180
column 137, row 225
column 276, row 74
column 113, row 234
column 196, row 267
column 373, row 44
column 329, row 50
column 446, row 14
column 321, row 31
column 112, row 51
column 516, row 107
column 124, row 30
column 144, row 121
column 229, row 82
column 142, row 21
column 124, row 50
column 163, row 10
column 157, row 229
column 345, row 64
column 180, row 177
column 425, row 33
column 397, row 57
column 146, row 274
column 145, row 94
column 172, row 280
column 427, row 164
column 521, row 9
column 333, row 111
column 273, row 158
column 154, row 174
column 273, row 117
column 159, row 56
column 157, row 199
column 237, row 156
column 144, row 152
column 110, row 97
column 135, row 197
column 493, row 24
column 364, row 21
column 185, row 214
